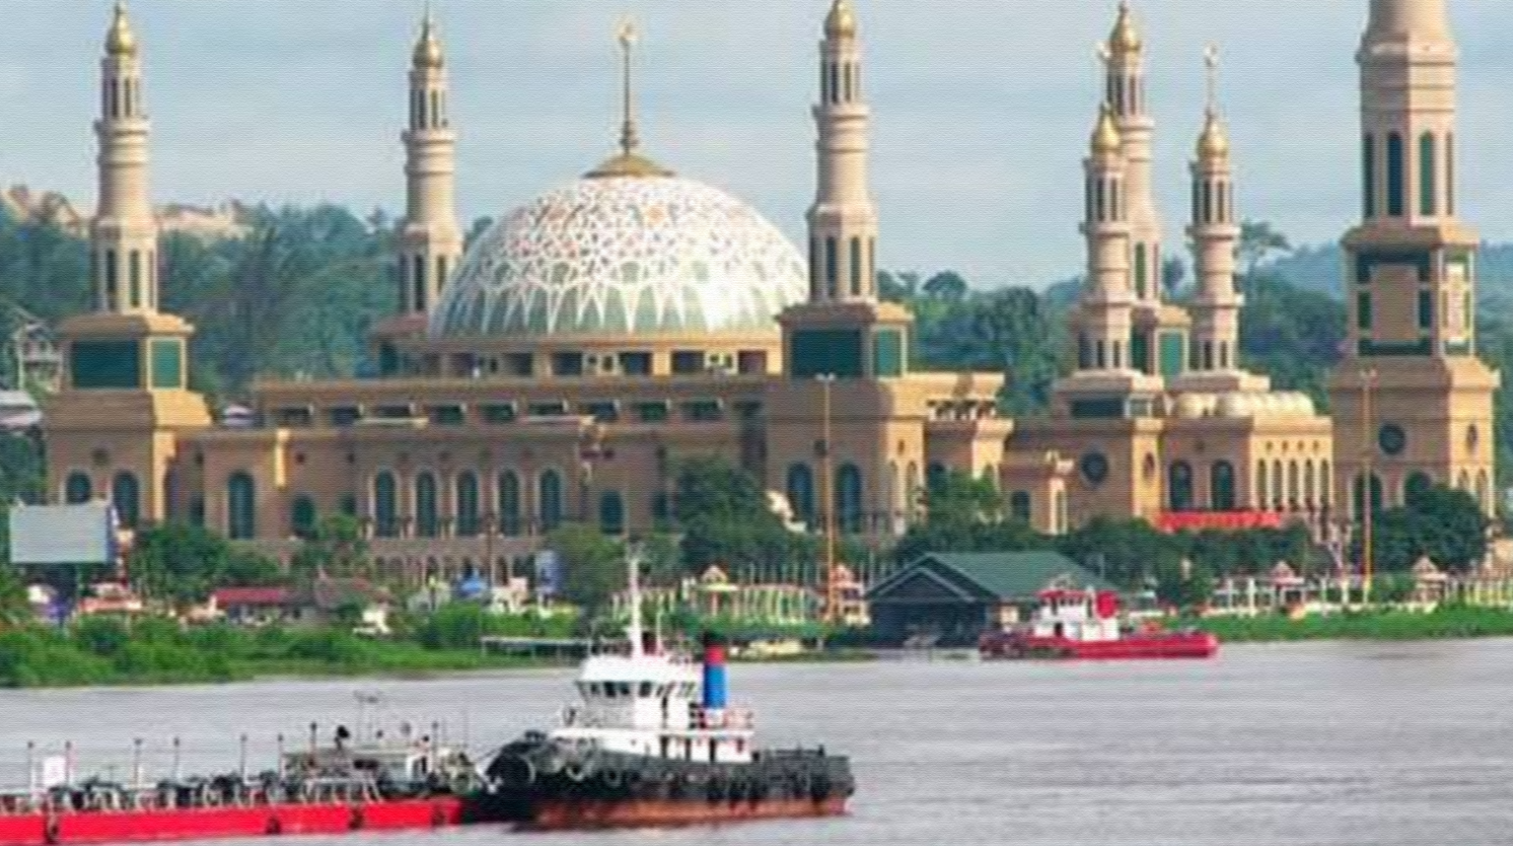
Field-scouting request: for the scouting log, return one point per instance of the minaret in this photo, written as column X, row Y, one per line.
column 1125, row 93
column 1105, row 324
column 431, row 240
column 124, row 233
column 843, row 221
column 1412, row 402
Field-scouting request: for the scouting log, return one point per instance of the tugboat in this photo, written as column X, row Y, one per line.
column 1086, row 625
column 655, row 743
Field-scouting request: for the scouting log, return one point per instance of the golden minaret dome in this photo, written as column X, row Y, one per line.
column 841, row 22
column 120, row 41
column 1214, row 142
column 1106, row 137
column 428, row 49
column 1125, row 39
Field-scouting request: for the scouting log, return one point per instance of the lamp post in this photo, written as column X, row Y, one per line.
column 1368, row 504
column 827, row 485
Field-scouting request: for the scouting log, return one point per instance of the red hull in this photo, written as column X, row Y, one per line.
column 215, row 823
column 570, row 815
column 1138, row 647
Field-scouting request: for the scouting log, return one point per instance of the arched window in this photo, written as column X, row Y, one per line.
column 612, row 513
column 1482, row 489
column 1376, row 494
column 1309, row 495
column 1020, row 506
column 427, row 515
column 241, row 507
column 856, row 267
column 935, row 477
column 509, row 504
column 385, row 505
column 1263, row 500
column 1450, row 174
column 550, row 497
column 418, row 280
column 832, row 267
column 134, row 277
column 1180, row 484
column 1428, row 185
column 801, row 492
column 78, row 489
column 1368, row 176
column 126, row 497
column 911, row 488
column 848, row 499
column 1278, row 492
column 468, row 511
column 1396, row 177
column 661, row 509
column 1293, row 489
column 1414, row 489
column 814, row 268
column 302, row 517
column 1222, row 482
column 1326, row 484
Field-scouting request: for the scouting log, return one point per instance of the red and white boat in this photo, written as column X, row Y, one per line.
column 1087, row 625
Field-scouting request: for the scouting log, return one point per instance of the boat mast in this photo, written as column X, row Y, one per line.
column 633, row 584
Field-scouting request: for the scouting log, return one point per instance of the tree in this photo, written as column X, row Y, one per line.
column 1258, row 241
column 1443, row 524
column 335, row 549
column 1131, row 551
column 725, row 519
column 179, row 563
column 946, row 285
column 1184, row 585
column 1015, row 334
column 965, row 514
column 593, row 566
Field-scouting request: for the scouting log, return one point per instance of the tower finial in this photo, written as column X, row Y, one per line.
column 1213, row 143
column 1211, row 60
column 120, row 41
column 629, row 36
column 841, row 22
column 428, row 53
column 1125, row 39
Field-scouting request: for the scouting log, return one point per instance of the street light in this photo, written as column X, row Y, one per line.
column 827, row 485
column 1368, row 505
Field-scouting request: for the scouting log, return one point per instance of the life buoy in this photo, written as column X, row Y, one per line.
column 575, row 772
column 612, row 778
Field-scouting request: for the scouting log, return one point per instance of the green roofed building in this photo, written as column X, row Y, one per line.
column 953, row 597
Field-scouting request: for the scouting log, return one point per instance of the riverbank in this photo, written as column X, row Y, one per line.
column 1450, row 622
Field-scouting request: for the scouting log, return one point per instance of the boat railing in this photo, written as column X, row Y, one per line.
column 723, row 718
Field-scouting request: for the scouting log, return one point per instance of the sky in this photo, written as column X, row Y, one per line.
column 981, row 108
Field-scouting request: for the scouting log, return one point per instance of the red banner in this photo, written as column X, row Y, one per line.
column 1223, row 521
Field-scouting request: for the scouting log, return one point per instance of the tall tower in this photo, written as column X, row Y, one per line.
column 1412, row 402
column 112, row 430
column 124, row 234
column 1104, row 322
column 842, row 221
column 1158, row 339
column 430, row 240
column 1214, row 355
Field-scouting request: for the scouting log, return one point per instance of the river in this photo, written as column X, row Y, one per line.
column 1319, row 743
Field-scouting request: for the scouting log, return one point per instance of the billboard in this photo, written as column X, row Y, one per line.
column 62, row 534
column 549, row 573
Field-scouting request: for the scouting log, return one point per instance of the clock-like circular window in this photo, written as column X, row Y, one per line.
column 1095, row 468
column 1392, row 439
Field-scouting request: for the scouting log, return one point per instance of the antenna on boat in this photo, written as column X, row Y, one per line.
column 633, row 585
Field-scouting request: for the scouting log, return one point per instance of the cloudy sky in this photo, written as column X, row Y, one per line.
column 981, row 107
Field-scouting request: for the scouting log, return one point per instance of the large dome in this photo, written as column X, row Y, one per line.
column 623, row 255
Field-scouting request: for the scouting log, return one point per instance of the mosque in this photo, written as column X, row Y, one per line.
column 562, row 366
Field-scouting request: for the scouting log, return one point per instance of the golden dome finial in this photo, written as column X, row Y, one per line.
column 428, row 52
column 1125, row 39
column 120, row 41
column 1213, row 143
column 1106, row 137
column 628, row 163
column 841, row 22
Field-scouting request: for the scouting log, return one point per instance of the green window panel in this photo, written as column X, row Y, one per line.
column 1141, row 275
column 1428, row 200
column 888, row 353
column 1425, row 310
column 1140, row 352
column 167, row 363
column 1173, row 353
column 1368, row 162
column 1363, row 312
column 1396, row 176
column 813, row 352
column 1099, row 409
column 106, row 364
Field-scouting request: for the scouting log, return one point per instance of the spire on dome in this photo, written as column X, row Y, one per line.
column 629, row 162
column 1213, row 143
column 428, row 52
column 120, row 41
column 1125, row 39
column 841, row 22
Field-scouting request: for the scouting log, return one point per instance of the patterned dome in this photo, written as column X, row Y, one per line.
column 623, row 255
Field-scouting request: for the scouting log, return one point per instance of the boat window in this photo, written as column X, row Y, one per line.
column 624, row 687
column 609, row 689
column 646, row 688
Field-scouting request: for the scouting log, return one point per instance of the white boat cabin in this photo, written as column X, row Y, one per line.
column 1085, row 616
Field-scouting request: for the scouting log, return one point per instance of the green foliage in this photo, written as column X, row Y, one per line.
column 183, row 564
column 1448, row 621
column 725, row 520
column 1292, row 334
column 336, row 549
column 1444, row 524
column 1184, row 586
column 594, row 566
column 965, row 514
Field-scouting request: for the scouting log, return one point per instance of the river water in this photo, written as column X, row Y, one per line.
column 1320, row 743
